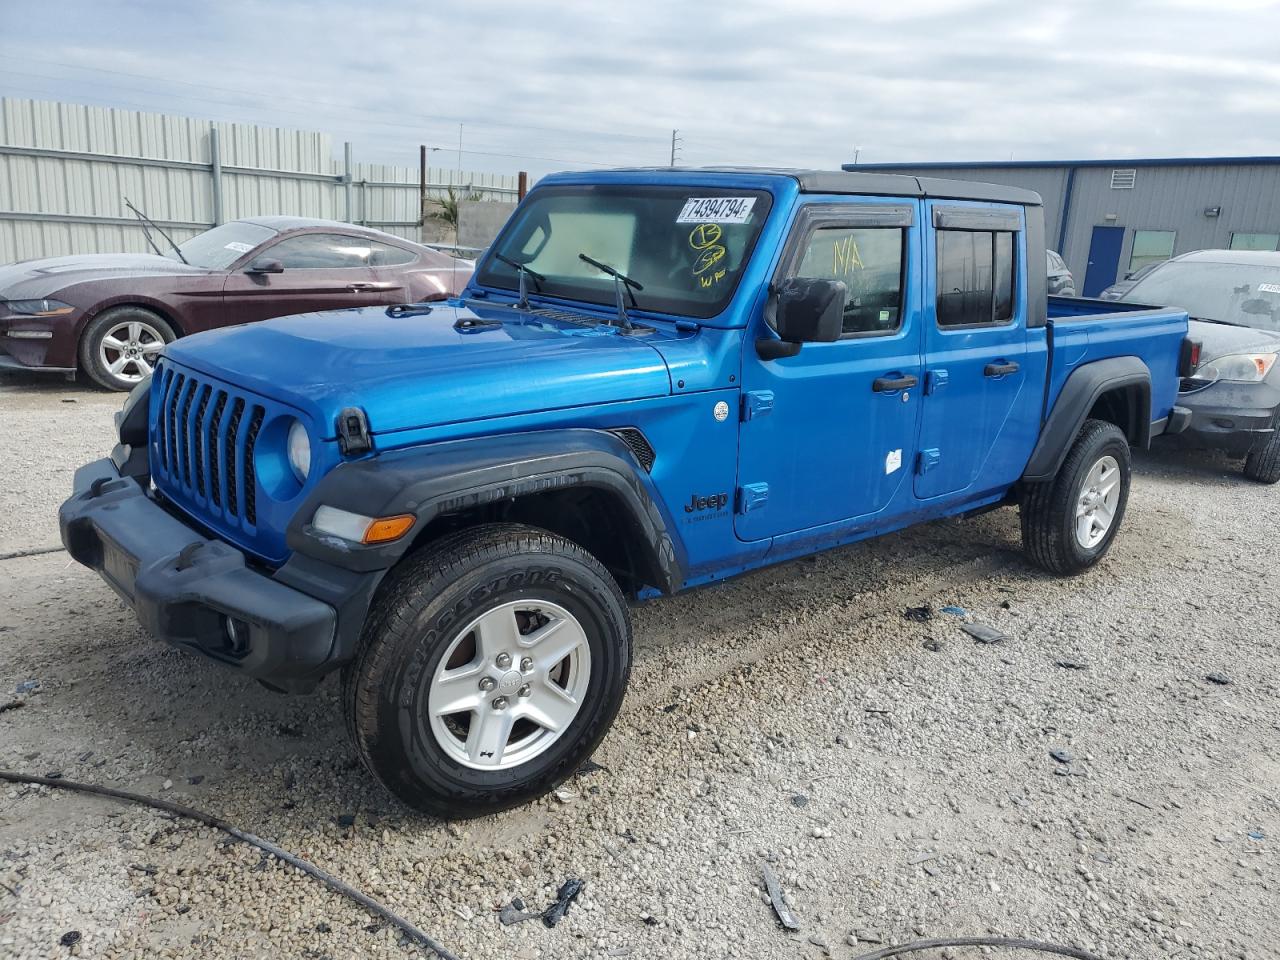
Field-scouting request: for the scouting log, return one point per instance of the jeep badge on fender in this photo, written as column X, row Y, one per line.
column 463, row 567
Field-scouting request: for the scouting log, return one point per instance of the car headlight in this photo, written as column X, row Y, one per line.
column 299, row 451
column 1239, row 367
column 39, row 308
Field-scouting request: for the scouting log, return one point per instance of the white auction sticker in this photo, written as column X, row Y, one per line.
column 716, row 210
column 238, row 247
column 893, row 461
column 1269, row 288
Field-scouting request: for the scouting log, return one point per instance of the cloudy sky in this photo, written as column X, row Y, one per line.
column 551, row 86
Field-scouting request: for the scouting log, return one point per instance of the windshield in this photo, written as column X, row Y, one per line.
column 1244, row 293
column 222, row 246
column 685, row 246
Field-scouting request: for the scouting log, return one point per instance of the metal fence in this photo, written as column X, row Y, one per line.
column 65, row 170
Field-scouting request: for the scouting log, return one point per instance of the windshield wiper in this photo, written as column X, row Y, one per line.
column 620, row 282
column 147, row 220
column 523, row 271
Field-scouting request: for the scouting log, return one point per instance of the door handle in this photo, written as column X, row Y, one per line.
column 889, row 384
column 360, row 286
column 999, row 369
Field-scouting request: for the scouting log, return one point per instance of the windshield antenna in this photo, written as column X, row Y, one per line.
column 144, row 219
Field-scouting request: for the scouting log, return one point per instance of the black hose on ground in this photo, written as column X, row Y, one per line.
column 34, row 552
column 1013, row 943
column 178, row 809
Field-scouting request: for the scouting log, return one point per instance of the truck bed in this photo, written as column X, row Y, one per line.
column 1082, row 330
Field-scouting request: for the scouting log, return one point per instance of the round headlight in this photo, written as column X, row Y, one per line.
column 299, row 451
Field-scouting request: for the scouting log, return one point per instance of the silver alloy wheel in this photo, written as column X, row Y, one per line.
column 1096, row 506
column 509, row 684
column 129, row 349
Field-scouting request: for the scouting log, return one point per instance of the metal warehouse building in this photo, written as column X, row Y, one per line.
column 1109, row 218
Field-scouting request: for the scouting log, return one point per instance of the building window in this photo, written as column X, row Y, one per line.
column 1123, row 179
column 1150, row 246
column 1255, row 241
column 975, row 278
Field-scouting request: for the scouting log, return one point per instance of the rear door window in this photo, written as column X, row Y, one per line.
column 976, row 271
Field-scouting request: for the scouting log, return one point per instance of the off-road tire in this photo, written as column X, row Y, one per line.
column 1048, row 509
column 1262, row 465
column 413, row 619
column 93, row 334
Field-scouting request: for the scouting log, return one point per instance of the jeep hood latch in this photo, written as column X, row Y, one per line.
column 353, row 432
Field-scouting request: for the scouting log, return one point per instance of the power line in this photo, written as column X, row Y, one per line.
column 114, row 102
column 362, row 110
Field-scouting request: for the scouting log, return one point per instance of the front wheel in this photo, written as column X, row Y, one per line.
column 491, row 666
column 120, row 346
column 1068, row 523
column 1262, row 465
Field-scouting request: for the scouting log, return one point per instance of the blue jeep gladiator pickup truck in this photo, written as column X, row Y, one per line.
column 656, row 379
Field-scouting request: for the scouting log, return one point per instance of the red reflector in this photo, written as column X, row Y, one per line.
column 1195, row 354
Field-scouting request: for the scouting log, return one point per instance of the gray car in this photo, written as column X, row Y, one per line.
column 1061, row 283
column 1233, row 297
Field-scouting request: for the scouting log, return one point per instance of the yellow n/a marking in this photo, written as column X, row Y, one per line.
column 845, row 256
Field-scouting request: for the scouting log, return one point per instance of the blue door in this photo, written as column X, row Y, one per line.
column 828, row 435
column 981, row 405
column 1104, row 259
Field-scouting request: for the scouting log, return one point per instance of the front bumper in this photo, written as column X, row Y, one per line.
column 194, row 592
column 1234, row 417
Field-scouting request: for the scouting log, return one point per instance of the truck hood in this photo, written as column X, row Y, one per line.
column 31, row 279
column 1221, row 340
column 455, row 363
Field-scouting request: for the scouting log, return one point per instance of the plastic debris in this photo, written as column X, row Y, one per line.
column 799, row 800
column 70, row 938
column 515, row 912
column 1257, row 834
column 565, row 796
column 1062, row 756
column 1221, row 679
column 982, row 633
column 918, row 614
column 955, row 611
column 785, row 916
column 569, row 891
column 1071, row 664
column 27, row 686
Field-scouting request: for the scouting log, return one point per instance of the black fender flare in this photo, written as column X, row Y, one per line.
column 1084, row 386
column 457, row 475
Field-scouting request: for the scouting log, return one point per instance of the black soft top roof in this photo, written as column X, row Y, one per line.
column 875, row 184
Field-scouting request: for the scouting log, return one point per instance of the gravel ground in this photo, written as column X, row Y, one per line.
column 898, row 776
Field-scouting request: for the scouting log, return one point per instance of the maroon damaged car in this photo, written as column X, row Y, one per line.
column 109, row 315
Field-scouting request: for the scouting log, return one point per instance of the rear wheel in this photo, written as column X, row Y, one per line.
column 492, row 665
column 1262, row 465
column 120, row 347
column 1069, row 522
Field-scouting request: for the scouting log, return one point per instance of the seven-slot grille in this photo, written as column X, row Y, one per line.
column 204, row 444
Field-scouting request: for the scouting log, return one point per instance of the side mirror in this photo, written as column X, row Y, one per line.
column 265, row 265
column 811, row 310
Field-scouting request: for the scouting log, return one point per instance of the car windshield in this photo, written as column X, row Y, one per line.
column 222, row 246
column 686, row 247
column 1243, row 293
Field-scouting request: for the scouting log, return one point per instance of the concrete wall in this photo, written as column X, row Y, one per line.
column 480, row 220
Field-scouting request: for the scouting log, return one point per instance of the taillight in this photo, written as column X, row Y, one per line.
column 1189, row 358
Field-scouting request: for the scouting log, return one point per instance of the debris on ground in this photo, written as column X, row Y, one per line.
column 1221, row 679
column 569, row 891
column 12, row 705
column 589, row 767
column 982, row 633
column 799, row 800
column 932, row 645
column 1257, row 834
column 780, row 907
column 565, row 796
column 27, row 686
column 515, row 912
column 955, row 611
column 70, row 938
column 1062, row 756
column 1071, row 664
column 918, row 614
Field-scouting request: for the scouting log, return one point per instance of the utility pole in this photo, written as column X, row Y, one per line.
column 857, row 151
column 675, row 149
column 459, row 153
